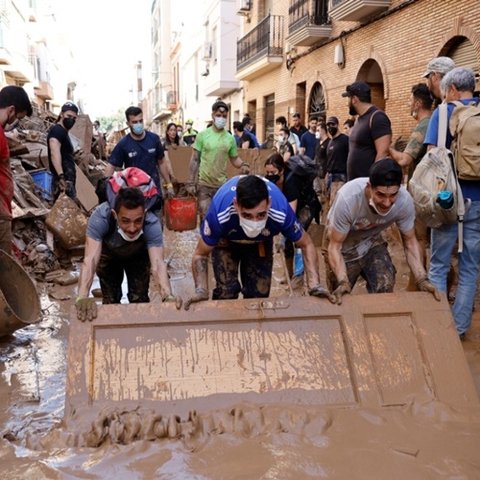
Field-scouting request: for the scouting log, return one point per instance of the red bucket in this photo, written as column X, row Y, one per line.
column 181, row 213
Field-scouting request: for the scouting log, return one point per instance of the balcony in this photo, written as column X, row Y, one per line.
column 357, row 10
column 44, row 90
column 308, row 22
column 261, row 49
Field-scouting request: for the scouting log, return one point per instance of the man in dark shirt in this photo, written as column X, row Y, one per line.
column 60, row 152
column 141, row 149
column 337, row 154
column 371, row 135
column 308, row 142
column 297, row 128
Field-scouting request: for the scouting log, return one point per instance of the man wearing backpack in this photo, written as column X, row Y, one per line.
column 458, row 86
column 371, row 135
column 124, row 237
column 363, row 209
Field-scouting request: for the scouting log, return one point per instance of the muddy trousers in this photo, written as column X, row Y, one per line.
column 376, row 267
column 6, row 236
column 255, row 262
column 111, row 269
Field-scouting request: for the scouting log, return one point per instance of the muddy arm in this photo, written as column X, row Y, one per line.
column 163, row 166
column 335, row 257
column 194, row 165
column 310, row 259
column 200, row 265
column 159, row 270
column 93, row 249
column 413, row 255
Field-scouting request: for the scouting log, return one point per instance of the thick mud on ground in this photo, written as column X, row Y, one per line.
column 418, row 441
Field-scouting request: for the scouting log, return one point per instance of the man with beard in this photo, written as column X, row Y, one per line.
column 60, row 152
column 371, row 135
column 355, row 247
column 437, row 68
column 141, row 149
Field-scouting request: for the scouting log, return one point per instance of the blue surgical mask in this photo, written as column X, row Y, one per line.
column 220, row 122
column 138, row 128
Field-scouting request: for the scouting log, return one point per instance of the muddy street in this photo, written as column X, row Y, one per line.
column 423, row 439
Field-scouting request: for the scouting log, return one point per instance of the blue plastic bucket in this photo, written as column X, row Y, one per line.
column 43, row 181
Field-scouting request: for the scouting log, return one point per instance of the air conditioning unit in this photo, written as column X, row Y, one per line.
column 244, row 6
column 207, row 51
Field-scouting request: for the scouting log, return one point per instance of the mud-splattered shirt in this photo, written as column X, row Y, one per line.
column 351, row 215
column 215, row 149
column 222, row 221
column 102, row 228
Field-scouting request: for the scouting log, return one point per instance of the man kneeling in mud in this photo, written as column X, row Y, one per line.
column 354, row 246
column 238, row 229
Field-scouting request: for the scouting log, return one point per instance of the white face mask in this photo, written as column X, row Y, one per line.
column 370, row 202
column 220, row 122
column 127, row 238
column 317, row 135
column 252, row 228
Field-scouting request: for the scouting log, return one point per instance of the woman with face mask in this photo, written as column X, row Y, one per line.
column 298, row 189
column 60, row 152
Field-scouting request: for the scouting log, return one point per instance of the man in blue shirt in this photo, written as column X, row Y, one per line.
column 238, row 229
column 457, row 85
column 143, row 150
column 309, row 140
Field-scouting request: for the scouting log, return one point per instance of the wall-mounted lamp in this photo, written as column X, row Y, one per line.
column 339, row 56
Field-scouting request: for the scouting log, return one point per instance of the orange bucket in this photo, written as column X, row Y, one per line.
column 181, row 213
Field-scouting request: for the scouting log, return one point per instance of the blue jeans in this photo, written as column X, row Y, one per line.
column 443, row 242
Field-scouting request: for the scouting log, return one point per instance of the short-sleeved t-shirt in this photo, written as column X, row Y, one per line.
column 352, row 215
column 66, row 151
column 6, row 179
column 362, row 150
column 337, row 154
column 309, row 143
column 143, row 154
column 102, row 227
column 216, row 148
column 222, row 221
column 470, row 188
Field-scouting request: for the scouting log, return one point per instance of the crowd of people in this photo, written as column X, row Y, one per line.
column 350, row 175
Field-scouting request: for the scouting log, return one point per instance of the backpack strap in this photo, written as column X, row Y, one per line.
column 442, row 124
column 371, row 118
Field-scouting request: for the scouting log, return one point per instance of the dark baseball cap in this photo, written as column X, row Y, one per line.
column 359, row 89
column 333, row 120
column 69, row 107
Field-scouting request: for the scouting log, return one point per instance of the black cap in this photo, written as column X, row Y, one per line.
column 359, row 89
column 333, row 120
column 385, row 172
column 69, row 107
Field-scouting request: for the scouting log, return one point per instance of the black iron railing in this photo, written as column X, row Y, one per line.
column 303, row 13
column 264, row 40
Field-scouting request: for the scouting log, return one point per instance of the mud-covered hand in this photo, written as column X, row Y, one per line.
column 173, row 298
column 424, row 285
column 169, row 190
column 191, row 188
column 244, row 168
column 200, row 295
column 319, row 291
column 342, row 289
column 86, row 309
column 62, row 183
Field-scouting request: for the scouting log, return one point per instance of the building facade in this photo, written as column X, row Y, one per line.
column 299, row 55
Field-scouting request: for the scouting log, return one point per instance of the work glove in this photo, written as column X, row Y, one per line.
column 86, row 309
column 191, row 188
column 173, row 298
column 319, row 291
column 200, row 295
column 244, row 169
column 342, row 289
column 62, row 184
column 424, row 285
